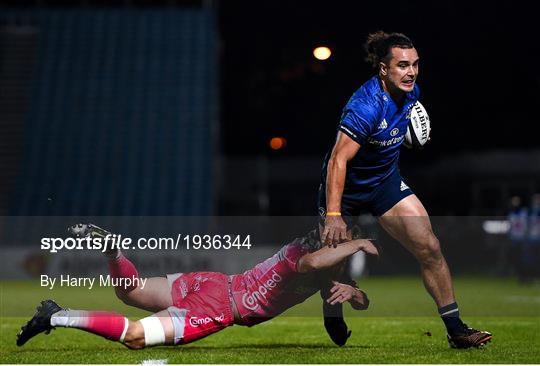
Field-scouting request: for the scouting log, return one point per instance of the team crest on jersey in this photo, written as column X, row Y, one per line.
column 383, row 125
column 197, row 284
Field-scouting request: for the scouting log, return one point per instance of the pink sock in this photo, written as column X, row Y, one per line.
column 121, row 267
column 112, row 326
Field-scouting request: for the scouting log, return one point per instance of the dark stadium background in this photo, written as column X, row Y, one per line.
column 477, row 80
column 166, row 108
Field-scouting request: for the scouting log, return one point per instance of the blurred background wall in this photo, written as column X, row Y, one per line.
column 108, row 111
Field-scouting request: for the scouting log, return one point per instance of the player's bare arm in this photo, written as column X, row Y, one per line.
column 335, row 229
column 327, row 257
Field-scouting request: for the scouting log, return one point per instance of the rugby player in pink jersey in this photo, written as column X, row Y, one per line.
column 191, row 306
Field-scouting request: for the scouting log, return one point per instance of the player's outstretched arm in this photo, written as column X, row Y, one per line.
column 327, row 257
column 335, row 229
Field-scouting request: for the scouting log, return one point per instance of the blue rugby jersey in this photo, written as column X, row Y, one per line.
column 378, row 124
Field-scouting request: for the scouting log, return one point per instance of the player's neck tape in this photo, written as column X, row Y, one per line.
column 154, row 333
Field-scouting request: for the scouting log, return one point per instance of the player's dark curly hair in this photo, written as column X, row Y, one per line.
column 379, row 44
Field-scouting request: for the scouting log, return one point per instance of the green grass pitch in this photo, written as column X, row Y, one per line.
column 401, row 326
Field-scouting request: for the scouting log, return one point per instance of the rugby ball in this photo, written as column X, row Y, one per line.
column 419, row 127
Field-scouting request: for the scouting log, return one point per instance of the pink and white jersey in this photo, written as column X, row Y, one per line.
column 273, row 286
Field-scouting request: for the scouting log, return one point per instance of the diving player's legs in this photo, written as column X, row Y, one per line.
column 49, row 315
column 154, row 295
column 166, row 327
column 202, row 306
column 173, row 326
column 408, row 222
column 204, row 310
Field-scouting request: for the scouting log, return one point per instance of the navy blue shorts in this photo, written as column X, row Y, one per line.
column 376, row 200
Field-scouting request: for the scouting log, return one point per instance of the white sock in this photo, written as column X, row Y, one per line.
column 68, row 318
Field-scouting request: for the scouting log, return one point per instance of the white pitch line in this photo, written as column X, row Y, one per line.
column 154, row 362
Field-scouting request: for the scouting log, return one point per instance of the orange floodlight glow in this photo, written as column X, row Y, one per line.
column 322, row 53
column 277, row 143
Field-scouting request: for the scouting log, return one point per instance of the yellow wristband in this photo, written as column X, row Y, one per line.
column 334, row 213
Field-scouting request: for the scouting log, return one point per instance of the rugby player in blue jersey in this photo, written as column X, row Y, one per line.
column 361, row 173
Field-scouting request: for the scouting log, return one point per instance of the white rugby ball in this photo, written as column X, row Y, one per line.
column 419, row 127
